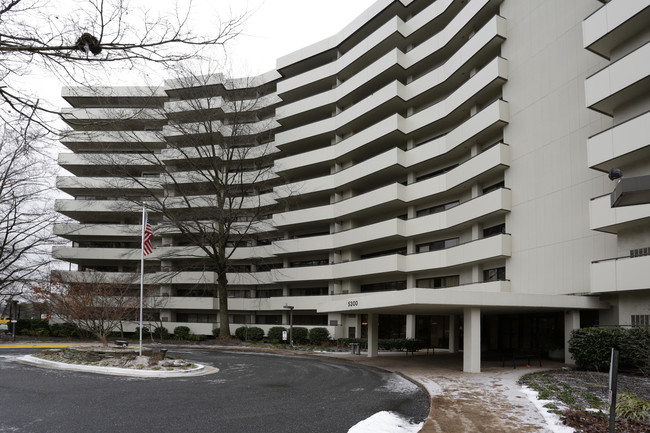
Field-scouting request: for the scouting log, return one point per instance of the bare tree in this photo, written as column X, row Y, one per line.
column 93, row 305
column 26, row 211
column 81, row 41
column 217, row 177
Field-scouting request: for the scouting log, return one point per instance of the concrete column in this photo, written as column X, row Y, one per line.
column 373, row 335
column 410, row 326
column 571, row 322
column 472, row 340
column 453, row 334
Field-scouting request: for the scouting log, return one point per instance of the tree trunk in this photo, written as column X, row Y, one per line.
column 224, row 322
column 102, row 338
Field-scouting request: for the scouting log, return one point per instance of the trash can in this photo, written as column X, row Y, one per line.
column 355, row 348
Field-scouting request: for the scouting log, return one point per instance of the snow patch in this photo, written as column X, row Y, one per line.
column 432, row 387
column 552, row 420
column 399, row 384
column 386, row 422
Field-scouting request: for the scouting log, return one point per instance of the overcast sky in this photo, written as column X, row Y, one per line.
column 280, row 27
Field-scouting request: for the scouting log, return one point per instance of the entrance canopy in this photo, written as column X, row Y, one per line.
column 424, row 301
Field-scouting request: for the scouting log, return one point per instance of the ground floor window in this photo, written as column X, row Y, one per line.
column 640, row 320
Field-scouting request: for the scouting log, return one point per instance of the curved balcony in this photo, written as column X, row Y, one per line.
column 192, row 278
column 172, row 155
column 181, row 131
column 605, row 218
column 496, row 202
column 98, row 255
column 620, row 274
column 613, row 23
column 107, row 118
column 88, row 164
column 493, row 31
column 393, row 31
column 620, row 145
column 465, row 254
column 385, row 102
column 96, row 209
column 107, row 141
column 92, row 96
column 197, row 176
column 396, row 195
column 185, row 109
column 187, row 303
column 101, row 185
column 210, row 201
column 84, row 232
column 619, row 82
column 485, row 121
column 241, row 253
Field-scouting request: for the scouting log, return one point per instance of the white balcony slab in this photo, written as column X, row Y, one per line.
column 611, row 220
column 620, row 144
column 610, row 25
column 620, row 275
column 619, row 81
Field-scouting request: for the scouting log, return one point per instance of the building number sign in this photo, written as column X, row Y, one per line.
column 353, row 303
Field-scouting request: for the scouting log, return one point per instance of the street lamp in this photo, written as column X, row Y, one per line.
column 13, row 311
column 290, row 308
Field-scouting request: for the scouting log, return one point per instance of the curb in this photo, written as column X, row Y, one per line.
column 201, row 370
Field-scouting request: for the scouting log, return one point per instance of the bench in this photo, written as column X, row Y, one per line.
column 121, row 343
column 527, row 354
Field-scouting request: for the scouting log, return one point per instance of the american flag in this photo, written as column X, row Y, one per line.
column 146, row 240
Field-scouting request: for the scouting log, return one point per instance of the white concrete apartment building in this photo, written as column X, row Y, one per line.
column 440, row 172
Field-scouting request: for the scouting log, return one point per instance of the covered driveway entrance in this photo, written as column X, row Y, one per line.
column 464, row 310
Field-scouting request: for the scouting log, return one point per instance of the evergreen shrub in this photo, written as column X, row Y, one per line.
column 591, row 348
column 318, row 336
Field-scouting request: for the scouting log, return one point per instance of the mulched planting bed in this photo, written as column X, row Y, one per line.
column 120, row 358
column 572, row 392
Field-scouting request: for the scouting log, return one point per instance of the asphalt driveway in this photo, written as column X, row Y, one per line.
column 250, row 393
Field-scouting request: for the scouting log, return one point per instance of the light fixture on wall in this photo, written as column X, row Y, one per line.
column 615, row 173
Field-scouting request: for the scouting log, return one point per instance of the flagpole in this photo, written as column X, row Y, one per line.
column 144, row 222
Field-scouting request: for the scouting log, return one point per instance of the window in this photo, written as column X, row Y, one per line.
column 494, row 230
column 313, row 320
column 309, row 291
column 435, row 173
column 640, row 319
column 272, row 293
column 436, row 209
column 196, row 318
column 383, row 287
column 494, row 274
column 437, row 245
column 494, row 187
column 401, row 251
column 268, row 319
column 438, row 282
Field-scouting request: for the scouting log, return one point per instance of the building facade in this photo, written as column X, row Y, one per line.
column 438, row 171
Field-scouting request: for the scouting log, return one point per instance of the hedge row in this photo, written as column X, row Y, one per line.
column 591, row 348
column 316, row 336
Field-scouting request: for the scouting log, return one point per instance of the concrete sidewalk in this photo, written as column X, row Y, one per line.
column 486, row 402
